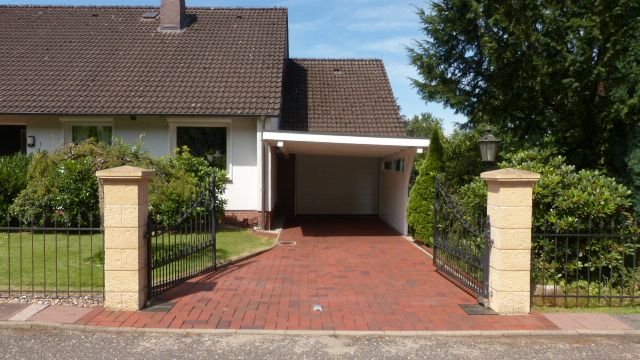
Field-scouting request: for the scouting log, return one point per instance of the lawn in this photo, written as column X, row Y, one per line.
column 188, row 254
column 234, row 243
column 52, row 262
column 73, row 263
column 607, row 310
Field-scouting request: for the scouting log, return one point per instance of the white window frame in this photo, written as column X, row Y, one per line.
column 175, row 123
column 69, row 122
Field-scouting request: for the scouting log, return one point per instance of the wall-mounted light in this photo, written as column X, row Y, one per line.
column 31, row 141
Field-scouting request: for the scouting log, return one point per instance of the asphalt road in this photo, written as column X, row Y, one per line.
column 65, row 344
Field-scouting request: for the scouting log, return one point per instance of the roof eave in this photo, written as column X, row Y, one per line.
column 54, row 113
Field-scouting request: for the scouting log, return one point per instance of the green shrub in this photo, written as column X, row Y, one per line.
column 472, row 200
column 13, row 179
column 568, row 201
column 565, row 199
column 179, row 180
column 422, row 195
column 62, row 185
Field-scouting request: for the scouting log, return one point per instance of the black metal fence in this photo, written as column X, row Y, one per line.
column 595, row 265
column 461, row 244
column 183, row 248
column 51, row 257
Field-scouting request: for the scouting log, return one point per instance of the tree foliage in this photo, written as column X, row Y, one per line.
column 422, row 126
column 540, row 71
column 633, row 170
column 462, row 161
column 422, row 195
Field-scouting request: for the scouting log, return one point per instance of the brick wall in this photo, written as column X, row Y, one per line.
column 246, row 218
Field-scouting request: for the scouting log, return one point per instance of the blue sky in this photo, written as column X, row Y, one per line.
column 337, row 29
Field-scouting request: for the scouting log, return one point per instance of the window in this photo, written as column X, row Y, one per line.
column 395, row 165
column 80, row 133
column 208, row 142
column 13, row 139
column 398, row 165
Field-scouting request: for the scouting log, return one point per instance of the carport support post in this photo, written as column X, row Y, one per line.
column 509, row 207
column 125, row 207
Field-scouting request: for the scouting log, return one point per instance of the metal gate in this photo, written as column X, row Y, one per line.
column 462, row 244
column 182, row 248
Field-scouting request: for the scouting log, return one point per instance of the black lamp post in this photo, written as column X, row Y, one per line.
column 488, row 146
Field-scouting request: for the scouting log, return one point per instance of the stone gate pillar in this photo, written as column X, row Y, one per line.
column 125, row 190
column 509, row 206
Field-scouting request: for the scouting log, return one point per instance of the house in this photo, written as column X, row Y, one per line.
column 297, row 136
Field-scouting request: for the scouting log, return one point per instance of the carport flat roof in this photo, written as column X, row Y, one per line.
column 295, row 142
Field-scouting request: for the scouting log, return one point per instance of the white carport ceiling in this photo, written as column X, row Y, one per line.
column 340, row 145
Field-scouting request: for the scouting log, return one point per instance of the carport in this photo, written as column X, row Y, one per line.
column 324, row 174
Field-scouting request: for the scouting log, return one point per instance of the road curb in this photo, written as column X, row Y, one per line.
column 36, row 325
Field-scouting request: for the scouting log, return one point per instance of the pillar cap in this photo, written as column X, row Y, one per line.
column 510, row 174
column 125, row 172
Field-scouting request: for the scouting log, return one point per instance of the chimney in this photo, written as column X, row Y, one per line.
column 172, row 15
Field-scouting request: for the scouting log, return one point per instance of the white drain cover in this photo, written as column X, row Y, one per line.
column 317, row 307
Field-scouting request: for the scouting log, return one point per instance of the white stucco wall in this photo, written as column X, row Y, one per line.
column 273, row 178
column 242, row 191
column 154, row 128
column 336, row 185
column 49, row 131
column 46, row 129
column 394, row 191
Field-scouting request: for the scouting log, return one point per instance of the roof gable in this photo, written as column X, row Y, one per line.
column 108, row 60
column 340, row 97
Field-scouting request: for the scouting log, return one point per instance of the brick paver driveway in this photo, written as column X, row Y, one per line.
column 364, row 275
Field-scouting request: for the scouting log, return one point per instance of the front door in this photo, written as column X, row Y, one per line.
column 13, row 139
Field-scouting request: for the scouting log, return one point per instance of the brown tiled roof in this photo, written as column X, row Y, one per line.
column 108, row 60
column 339, row 97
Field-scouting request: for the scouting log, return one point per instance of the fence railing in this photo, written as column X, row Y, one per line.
column 184, row 247
column 50, row 257
column 598, row 265
column 461, row 244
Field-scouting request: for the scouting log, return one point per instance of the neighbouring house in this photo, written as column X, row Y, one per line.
column 297, row 136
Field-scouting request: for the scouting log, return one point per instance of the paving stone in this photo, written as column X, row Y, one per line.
column 365, row 276
column 28, row 312
column 61, row 314
column 633, row 320
column 9, row 310
column 587, row 321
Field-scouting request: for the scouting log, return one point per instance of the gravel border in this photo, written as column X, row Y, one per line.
column 76, row 301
